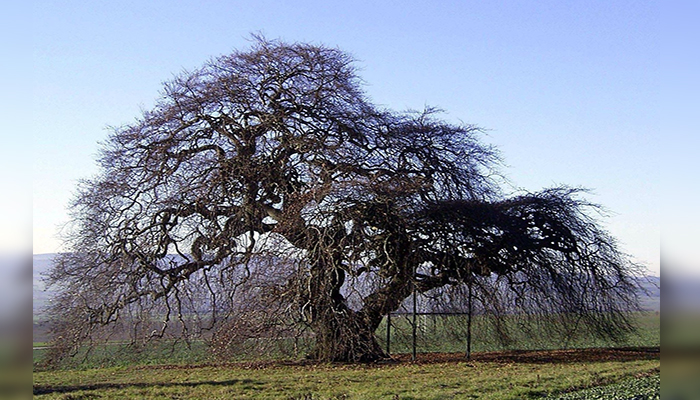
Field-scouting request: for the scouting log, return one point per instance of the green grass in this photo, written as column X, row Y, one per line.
column 448, row 334
column 115, row 371
column 482, row 379
column 122, row 355
column 642, row 388
column 435, row 334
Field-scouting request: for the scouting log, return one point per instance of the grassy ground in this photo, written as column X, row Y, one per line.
column 646, row 388
column 187, row 373
column 448, row 334
column 519, row 375
column 435, row 334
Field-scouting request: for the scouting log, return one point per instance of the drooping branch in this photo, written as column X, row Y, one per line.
column 266, row 182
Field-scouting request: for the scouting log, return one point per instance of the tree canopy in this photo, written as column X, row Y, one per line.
column 264, row 191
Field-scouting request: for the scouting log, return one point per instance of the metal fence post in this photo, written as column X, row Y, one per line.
column 469, row 321
column 388, row 334
column 415, row 322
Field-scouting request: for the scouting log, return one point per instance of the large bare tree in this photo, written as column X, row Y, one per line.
column 264, row 194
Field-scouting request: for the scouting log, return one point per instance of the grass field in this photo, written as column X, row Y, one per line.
column 448, row 334
column 435, row 334
column 505, row 376
column 180, row 373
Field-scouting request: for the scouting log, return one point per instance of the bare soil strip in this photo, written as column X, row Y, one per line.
column 505, row 357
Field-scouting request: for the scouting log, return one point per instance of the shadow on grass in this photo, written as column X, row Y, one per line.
column 48, row 389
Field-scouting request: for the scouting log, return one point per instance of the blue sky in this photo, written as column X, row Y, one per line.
column 569, row 91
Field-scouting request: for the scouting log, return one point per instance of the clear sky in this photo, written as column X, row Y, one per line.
column 569, row 91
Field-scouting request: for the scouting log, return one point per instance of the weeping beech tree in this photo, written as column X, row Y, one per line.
column 264, row 196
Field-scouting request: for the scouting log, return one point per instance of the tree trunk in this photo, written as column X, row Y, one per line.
column 341, row 334
column 345, row 337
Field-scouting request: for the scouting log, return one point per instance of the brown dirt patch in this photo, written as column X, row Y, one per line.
column 506, row 357
column 540, row 356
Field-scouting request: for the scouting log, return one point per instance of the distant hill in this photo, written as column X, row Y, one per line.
column 651, row 296
column 41, row 265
